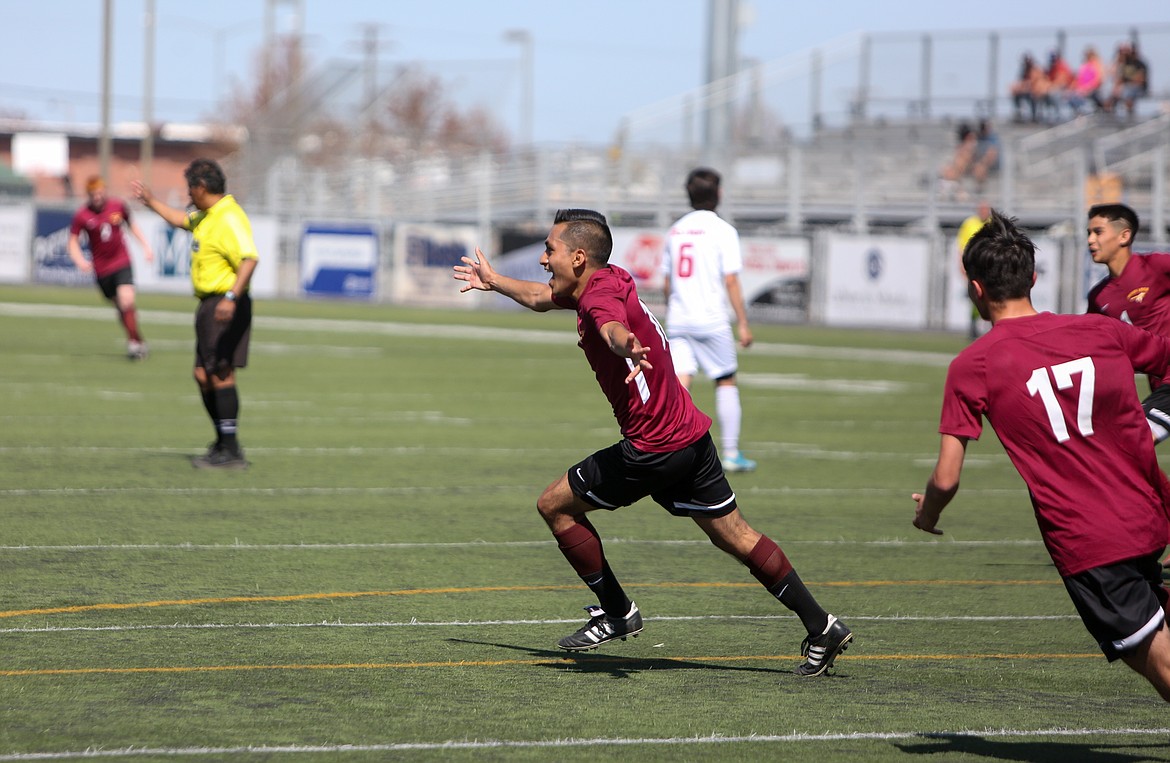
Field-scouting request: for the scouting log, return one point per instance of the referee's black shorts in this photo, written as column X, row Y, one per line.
column 220, row 347
column 686, row 482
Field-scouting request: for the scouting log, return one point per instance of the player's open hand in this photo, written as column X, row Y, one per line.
column 140, row 191
column 922, row 520
column 637, row 353
column 477, row 273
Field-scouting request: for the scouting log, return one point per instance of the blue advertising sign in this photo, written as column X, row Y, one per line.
column 51, row 263
column 339, row 260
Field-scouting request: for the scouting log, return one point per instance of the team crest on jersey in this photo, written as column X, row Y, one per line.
column 116, row 218
column 1138, row 294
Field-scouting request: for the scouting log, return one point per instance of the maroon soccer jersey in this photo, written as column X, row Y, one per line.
column 104, row 231
column 1059, row 392
column 1140, row 295
column 654, row 411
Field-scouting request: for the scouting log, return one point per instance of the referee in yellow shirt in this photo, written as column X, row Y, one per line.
column 223, row 258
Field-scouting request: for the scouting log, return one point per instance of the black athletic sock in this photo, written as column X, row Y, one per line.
column 227, row 408
column 793, row 594
column 209, row 404
column 609, row 592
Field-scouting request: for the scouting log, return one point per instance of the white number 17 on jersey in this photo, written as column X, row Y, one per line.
column 1041, row 384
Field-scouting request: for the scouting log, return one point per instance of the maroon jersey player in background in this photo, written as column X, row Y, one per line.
column 1137, row 291
column 1059, row 392
column 102, row 219
column 666, row 452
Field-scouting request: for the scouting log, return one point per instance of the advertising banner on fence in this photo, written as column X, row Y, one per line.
column 51, row 263
column 339, row 260
column 774, row 276
column 424, row 256
column 171, row 270
column 876, row 281
column 16, row 228
column 1045, row 294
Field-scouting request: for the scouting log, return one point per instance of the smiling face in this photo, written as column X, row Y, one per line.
column 565, row 262
column 1109, row 240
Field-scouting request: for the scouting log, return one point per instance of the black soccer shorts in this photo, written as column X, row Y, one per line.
column 1120, row 604
column 108, row 284
column 686, row 482
column 1157, row 408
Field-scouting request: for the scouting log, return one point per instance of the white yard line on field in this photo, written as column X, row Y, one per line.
column 487, row 623
column 478, row 544
column 477, row 333
column 601, row 742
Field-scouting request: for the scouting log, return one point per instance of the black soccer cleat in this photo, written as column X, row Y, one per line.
column 221, row 457
column 820, row 651
column 602, row 628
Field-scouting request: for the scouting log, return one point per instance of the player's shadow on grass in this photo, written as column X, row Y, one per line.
column 1032, row 752
column 616, row 665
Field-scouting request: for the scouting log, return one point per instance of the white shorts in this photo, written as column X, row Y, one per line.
column 712, row 350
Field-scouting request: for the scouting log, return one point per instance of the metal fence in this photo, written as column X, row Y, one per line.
column 851, row 133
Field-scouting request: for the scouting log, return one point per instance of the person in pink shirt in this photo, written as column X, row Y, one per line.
column 1084, row 92
column 666, row 452
column 1059, row 392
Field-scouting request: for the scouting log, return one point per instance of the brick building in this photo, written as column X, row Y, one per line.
column 55, row 160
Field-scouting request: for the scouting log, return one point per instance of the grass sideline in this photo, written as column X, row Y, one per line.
column 378, row 585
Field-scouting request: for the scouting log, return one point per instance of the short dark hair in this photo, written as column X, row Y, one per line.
column 1002, row 258
column 206, row 173
column 703, row 188
column 588, row 230
column 1115, row 212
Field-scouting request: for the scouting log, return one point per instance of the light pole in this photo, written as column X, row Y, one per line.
column 105, row 142
column 523, row 38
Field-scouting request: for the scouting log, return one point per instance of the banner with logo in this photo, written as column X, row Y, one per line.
column 876, row 281
column 1045, row 294
column 339, row 260
column 424, row 256
column 16, row 227
column 51, row 262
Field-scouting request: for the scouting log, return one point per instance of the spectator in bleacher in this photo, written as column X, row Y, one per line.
column 1057, row 80
column 976, row 156
column 1130, row 79
column 1028, row 89
column 1085, row 94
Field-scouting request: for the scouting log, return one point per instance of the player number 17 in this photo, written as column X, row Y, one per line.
column 1040, row 384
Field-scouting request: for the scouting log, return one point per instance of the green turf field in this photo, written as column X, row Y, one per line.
column 379, row 586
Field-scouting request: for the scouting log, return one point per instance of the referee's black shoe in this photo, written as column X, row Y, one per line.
column 221, row 457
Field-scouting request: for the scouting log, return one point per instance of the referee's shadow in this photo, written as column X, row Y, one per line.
column 616, row 665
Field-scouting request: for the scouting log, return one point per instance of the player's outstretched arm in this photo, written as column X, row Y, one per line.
column 942, row 485
column 623, row 343
column 176, row 217
column 478, row 273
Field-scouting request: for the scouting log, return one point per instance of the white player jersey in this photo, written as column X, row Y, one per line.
column 701, row 248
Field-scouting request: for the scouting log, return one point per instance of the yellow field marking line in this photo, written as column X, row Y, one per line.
column 105, row 606
column 583, row 661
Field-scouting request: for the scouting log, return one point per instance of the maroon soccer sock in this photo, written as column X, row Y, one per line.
column 130, row 322
column 581, row 546
column 771, row 567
